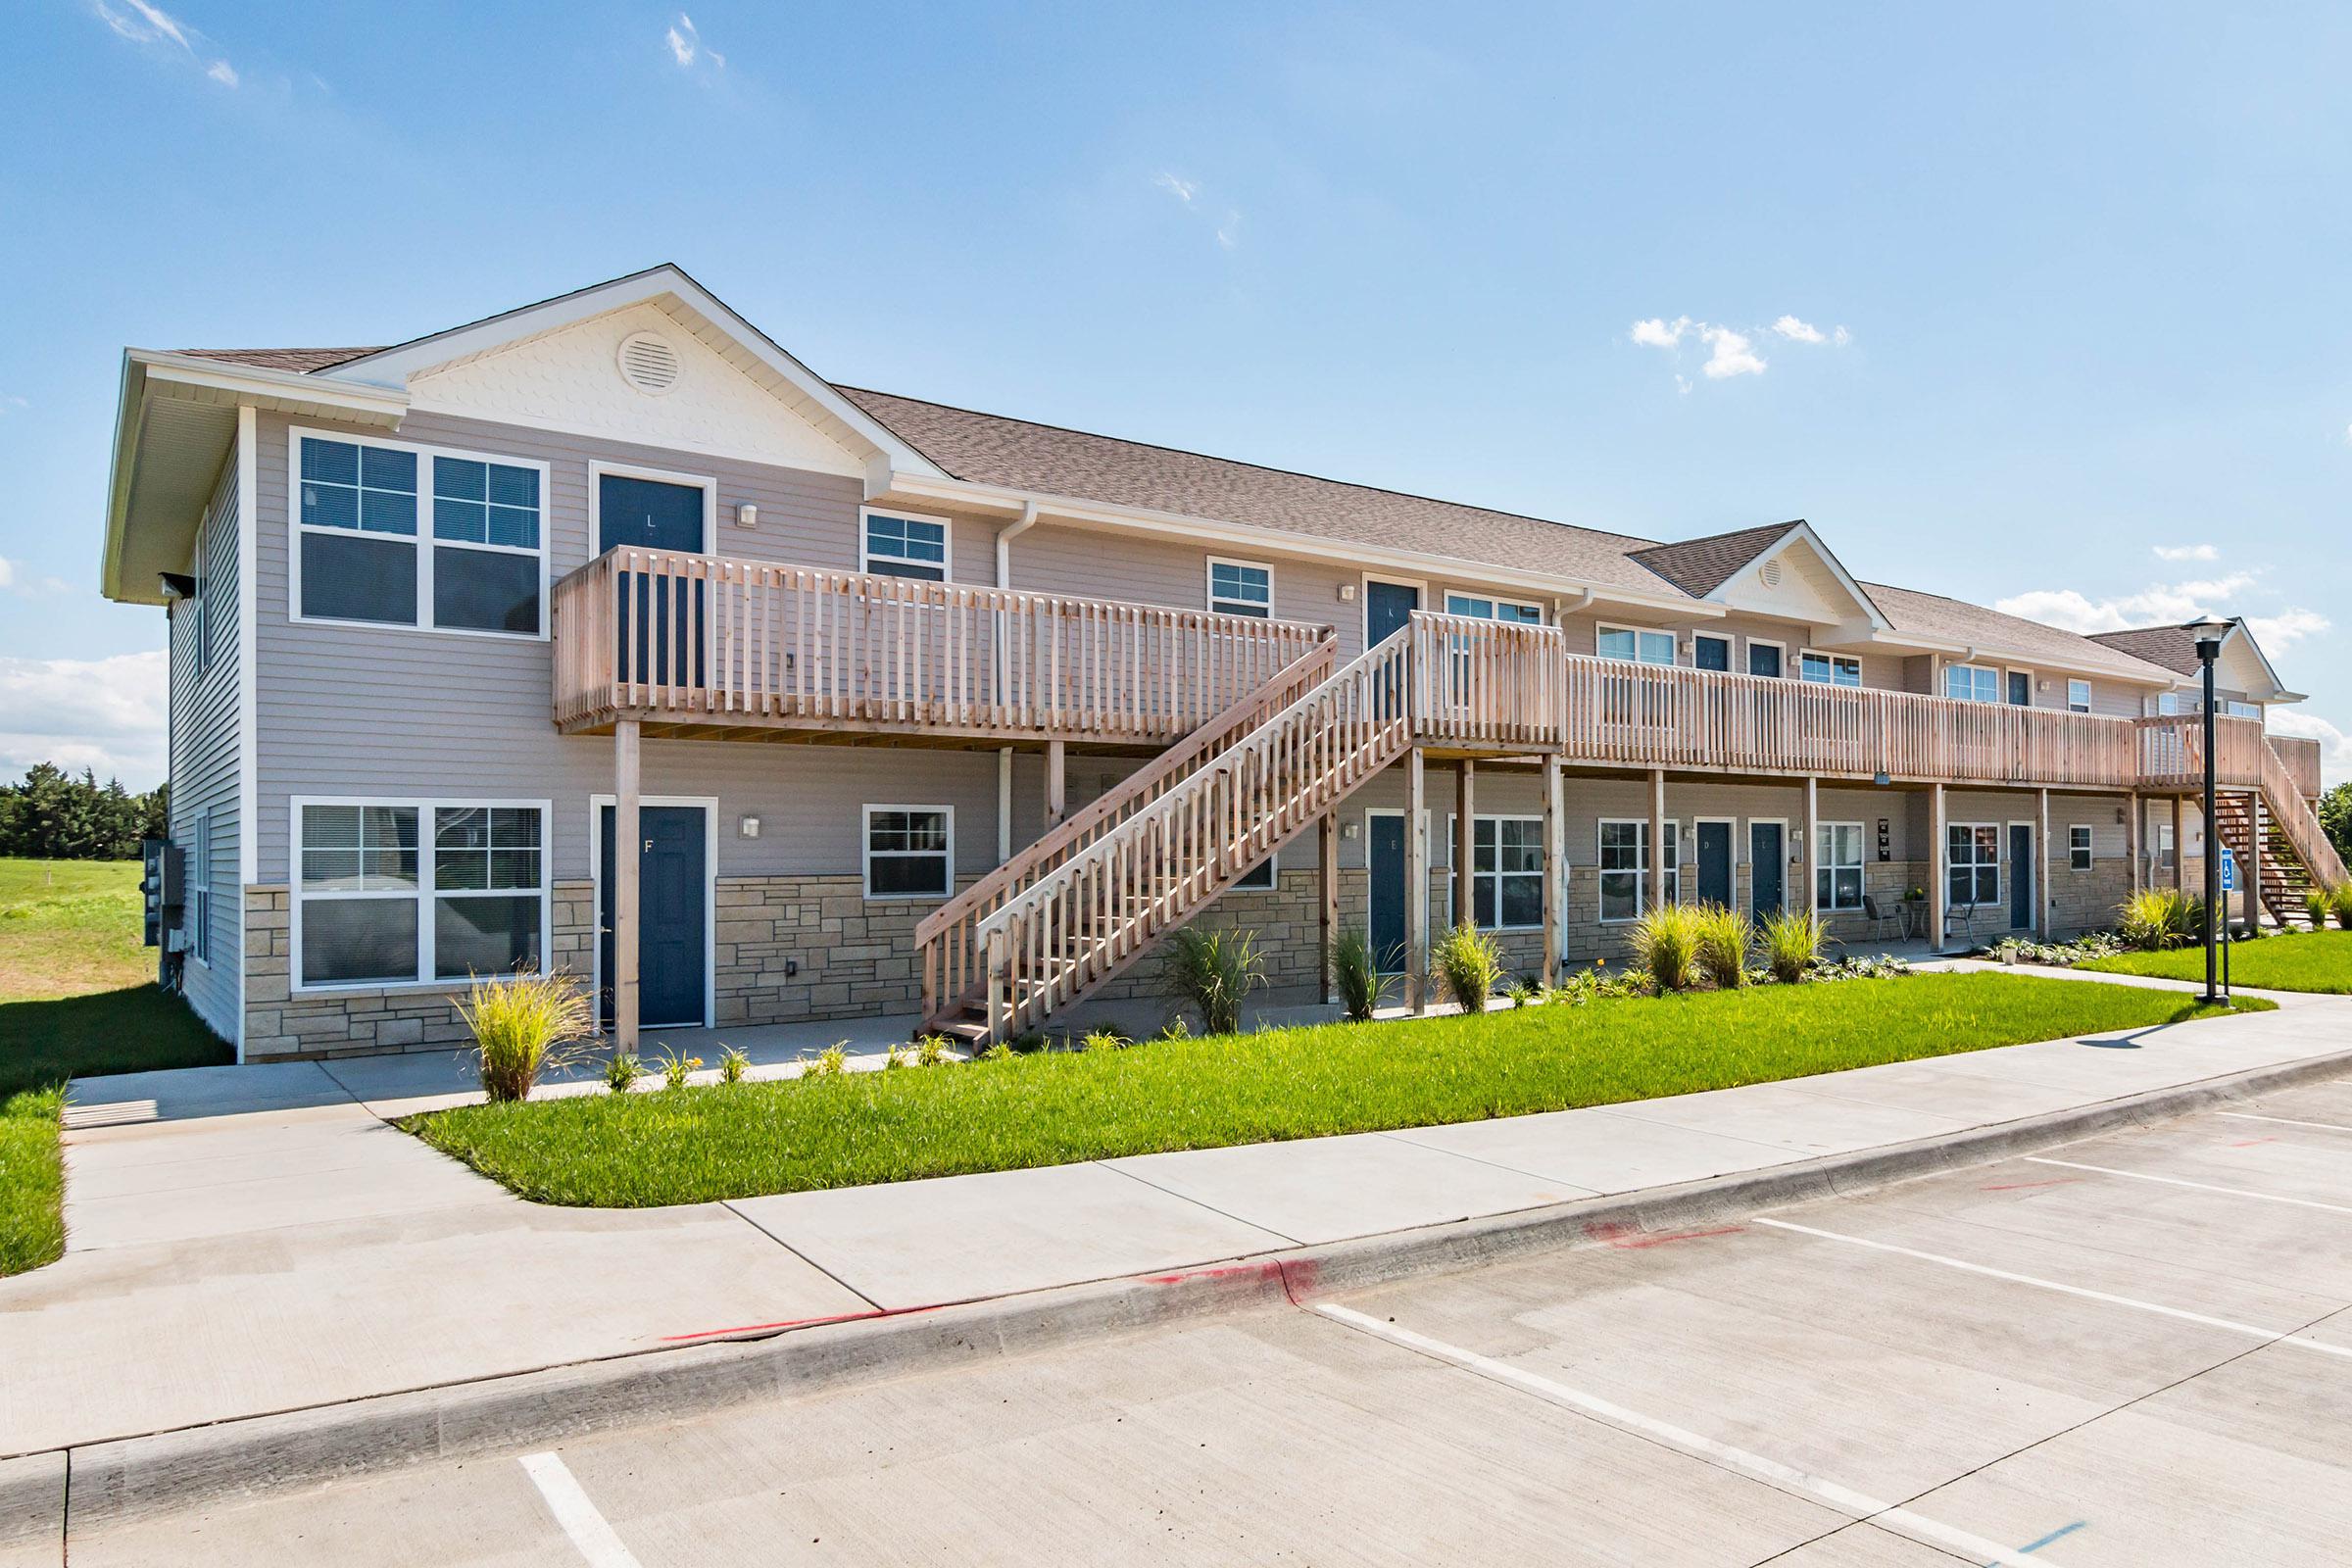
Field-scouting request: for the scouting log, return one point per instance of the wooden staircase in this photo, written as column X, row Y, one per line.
column 947, row 942
column 1103, row 902
column 2296, row 854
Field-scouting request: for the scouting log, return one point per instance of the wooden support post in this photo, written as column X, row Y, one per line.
column 1940, row 885
column 1555, row 866
column 1416, row 882
column 1657, row 838
column 1810, row 850
column 627, row 840
column 1465, row 843
column 2135, row 827
column 1004, row 804
column 2180, row 844
column 1327, row 869
column 1057, row 784
column 2041, row 873
column 2250, row 873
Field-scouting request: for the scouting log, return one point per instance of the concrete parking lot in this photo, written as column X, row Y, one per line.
column 2135, row 1350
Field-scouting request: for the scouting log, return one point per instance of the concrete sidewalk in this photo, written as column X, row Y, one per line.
column 245, row 1241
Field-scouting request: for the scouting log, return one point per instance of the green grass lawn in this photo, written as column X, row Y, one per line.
column 77, row 997
column 735, row 1141
column 2302, row 960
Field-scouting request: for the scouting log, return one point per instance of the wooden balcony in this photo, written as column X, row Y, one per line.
column 693, row 645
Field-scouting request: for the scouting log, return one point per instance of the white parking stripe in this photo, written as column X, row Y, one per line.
column 586, row 1527
column 2287, row 1121
column 1772, row 1472
column 2202, row 1187
column 2251, row 1331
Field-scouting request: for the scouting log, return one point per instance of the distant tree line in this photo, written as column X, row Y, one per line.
column 52, row 815
column 2335, row 815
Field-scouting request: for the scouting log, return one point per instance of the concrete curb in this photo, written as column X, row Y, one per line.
column 125, row 1478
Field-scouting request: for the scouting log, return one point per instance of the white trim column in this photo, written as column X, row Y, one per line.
column 627, row 844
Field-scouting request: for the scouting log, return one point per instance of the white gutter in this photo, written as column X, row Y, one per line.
column 1004, row 538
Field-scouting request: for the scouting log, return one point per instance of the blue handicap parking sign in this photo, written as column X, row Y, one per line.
column 2229, row 870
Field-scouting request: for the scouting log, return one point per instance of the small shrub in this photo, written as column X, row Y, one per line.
column 894, row 1057
column 1213, row 972
column 1792, row 942
column 830, row 1063
column 1468, row 962
column 1176, row 1028
column 1355, row 973
column 1666, row 944
column 2339, row 903
column 1103, row 1039
column 1724, row 936
column 930, row 1050
column 732, row 1064
column 623, row 1069
column 999, row 1051
column 1860, row 967
column 2154, row 919
column 674, row 1068
column 522, row 1025
column 2317, row 903
column 1524, row 992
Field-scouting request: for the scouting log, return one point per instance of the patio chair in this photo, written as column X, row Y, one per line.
column 1881, row 918
column 1964, row 918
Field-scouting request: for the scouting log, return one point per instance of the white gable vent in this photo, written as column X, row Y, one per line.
column 648, row 364
column 1770, row 572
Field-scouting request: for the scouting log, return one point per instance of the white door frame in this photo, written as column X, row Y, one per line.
column 1733, row 823
column 596, row 897
column 1364, row 621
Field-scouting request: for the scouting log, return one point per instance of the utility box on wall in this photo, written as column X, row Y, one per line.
column 162, row 886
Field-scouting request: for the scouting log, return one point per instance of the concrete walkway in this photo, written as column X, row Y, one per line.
column 252, row 1239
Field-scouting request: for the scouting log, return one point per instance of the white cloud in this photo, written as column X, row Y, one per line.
column 2159, row 603
column 149, row 23
column 686, row 45
column 8, row 573
column 1788, row 326
column 1732, row 356
column 1226, row 230
column 2186, row 553
column 1841, row 337
column 2335, row 745
column 106, row 715
column 1660, row 333
column 1184, row 190
column 13, row 580
column 1229, row 230
column 222, row 73
column 2286, row 628
column 9, row 402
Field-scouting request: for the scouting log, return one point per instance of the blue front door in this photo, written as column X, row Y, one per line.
column 1715, row 864
column 673, row 893
column 1386, row 607
column 2021, row 876
column 661, row 619
column 1767, row 873
column 1384, row 857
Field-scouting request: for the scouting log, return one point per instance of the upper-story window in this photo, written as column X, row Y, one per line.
column 1634, row 643
column 1828, row 669
column 2020, row 688
column 900, row 545
column 1240, row 588
column 361, row 555
column 1972, row 683
column 1482, row 609
column 2078, row 696
column 2235, row 709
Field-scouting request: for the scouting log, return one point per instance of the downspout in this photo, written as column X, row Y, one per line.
column 1005, row 537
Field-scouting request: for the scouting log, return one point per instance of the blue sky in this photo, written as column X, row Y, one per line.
column 2087, row 261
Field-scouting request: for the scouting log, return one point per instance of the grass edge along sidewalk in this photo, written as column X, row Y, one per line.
column 699, row 1144
column 2292, row 960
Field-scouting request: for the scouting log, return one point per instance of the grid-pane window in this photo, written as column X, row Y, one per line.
column 1973, row 871
column 1643, row 646
column 1506, row 871
column 1972, row 683
column 908, row 852
column 1238, row 588
column 1625, row 867
column 2078, row 696
column 363, row 556
column 1837, row 867
column 2079, row 848
column 907, row 547
column 1493, row 609
column 486, row 878
column 1830, row 670
column 395, row 893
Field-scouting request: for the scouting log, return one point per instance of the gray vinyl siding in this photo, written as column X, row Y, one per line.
column 205, row 755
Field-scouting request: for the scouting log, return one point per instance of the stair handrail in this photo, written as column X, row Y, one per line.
column 2297, row 819
column 949, row 967
column 1377, row 687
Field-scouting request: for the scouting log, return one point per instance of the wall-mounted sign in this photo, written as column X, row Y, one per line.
column 1886, row 840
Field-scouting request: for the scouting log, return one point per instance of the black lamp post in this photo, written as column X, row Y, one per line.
column 2209, row 635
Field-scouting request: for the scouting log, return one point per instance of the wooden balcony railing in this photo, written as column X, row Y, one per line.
column 2301, row 758
column 697, row 640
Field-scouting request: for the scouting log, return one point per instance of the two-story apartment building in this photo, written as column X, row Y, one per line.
column 605, row 633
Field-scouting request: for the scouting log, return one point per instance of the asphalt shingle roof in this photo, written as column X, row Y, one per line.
column 1700, row 567
column 2169, row 646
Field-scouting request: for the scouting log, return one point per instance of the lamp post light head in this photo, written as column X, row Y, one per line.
column 2209, row 634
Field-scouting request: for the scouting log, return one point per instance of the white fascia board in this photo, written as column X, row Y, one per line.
column 1244, row 536
column 1828, row 558
column 2239, row 629
column 261, row 384
column 394, row 365
column 1850, row 636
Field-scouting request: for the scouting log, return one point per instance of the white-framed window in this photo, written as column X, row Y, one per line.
column 1972, row 683
column 902, row 544
column 1625, row 867
column 1637, row 644
column 2232, row 707
column 2164, row 844
column 1506, row 872
column 2078, row 696
column 2077, row 847
column 1261, row 877
column 910, row 851
column 1767, row 657
column 1480, row 608
column 2020, row 688
column 389, row 533
column 1973, row 867
column 1838, row 867
column 1710, row 651
column 1241, row 587
column 1828, row 669
column 399, row 892
column 200, row 891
